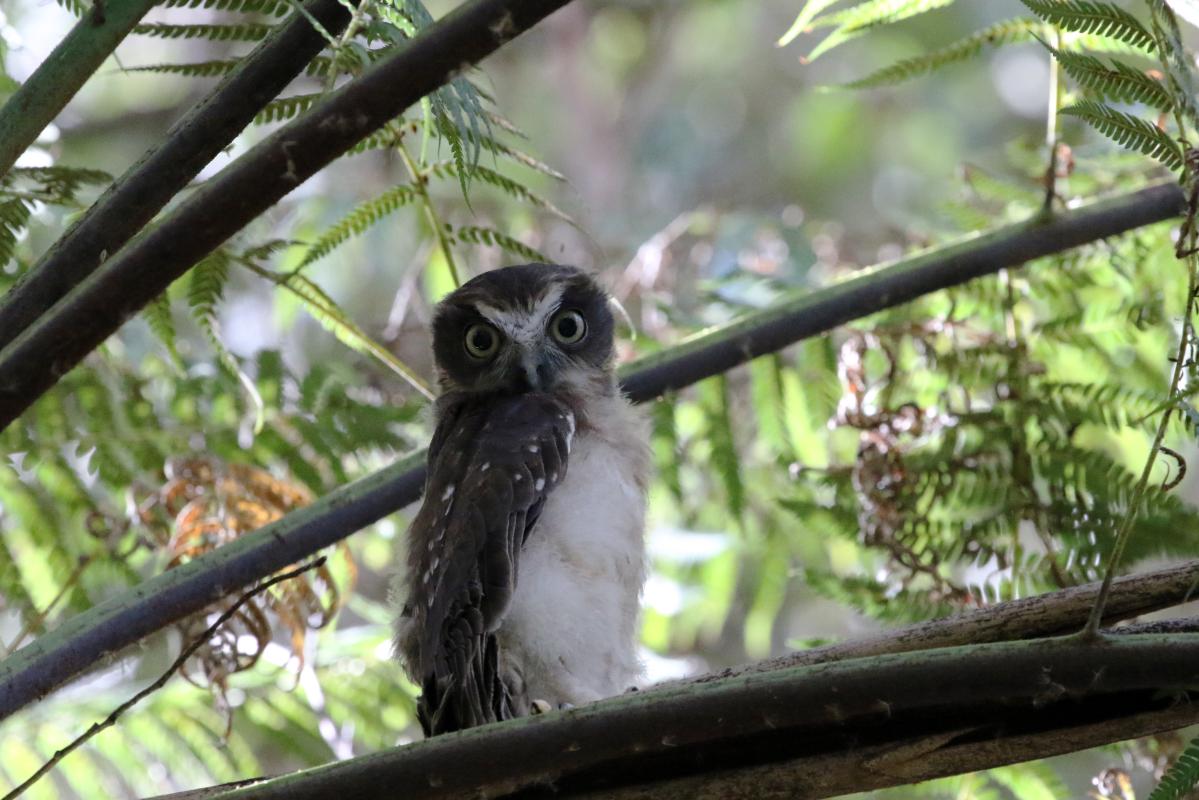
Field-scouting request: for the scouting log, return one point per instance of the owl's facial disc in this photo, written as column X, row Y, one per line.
column 532, row 328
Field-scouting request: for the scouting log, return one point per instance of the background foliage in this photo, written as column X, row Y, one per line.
column 981, row 444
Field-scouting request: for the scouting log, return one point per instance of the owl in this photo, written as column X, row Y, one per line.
column 526, row 560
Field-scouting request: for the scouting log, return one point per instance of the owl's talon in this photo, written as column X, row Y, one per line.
column 541, row 707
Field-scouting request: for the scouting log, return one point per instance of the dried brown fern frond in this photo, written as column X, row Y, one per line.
column 206, row 503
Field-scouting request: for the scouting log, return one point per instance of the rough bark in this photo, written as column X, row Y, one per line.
column 800, row 732
column 146, row 187
column 52, row 85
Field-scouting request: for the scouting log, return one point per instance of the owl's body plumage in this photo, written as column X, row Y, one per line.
column 526, row 560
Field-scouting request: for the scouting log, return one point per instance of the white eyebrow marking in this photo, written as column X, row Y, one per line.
column 523, row 325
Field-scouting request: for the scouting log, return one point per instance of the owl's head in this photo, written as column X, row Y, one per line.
column 533, row 327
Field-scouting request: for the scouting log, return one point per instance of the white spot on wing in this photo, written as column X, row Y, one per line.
column 448, row 493
column 534, row 448
column 486, row 466
column 539, row 484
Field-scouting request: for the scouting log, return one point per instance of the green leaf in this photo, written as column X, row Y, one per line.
column 474, row 234
column 1182, row 777
column 334, row 319
column 803, row 22
column 1001, row 33
column 1101, row 19
column 509, row 186
column 198, row 69
column 243, row 32
column 358, row 221
column 158, row 315
column 272, row 7
column 853, row 22
column 284, row 108
column 1129, row 131
column 1119, row 82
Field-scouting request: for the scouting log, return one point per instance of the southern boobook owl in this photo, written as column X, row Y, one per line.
column 526, row 559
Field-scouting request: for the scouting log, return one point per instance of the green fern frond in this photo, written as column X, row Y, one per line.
column 199, row 69
column 358, row 221
column 275, row 8
column 875, row 13
column 1001, row 33
column 497, row 147
column 502, row 182
column 204, row 292
column 855, row 21
column 1182, row 777
column 242, row 32
column 474, row 234
column 14, row 216
column 1180, row 64
column 284, row 108
column 1129, row 131
column 206, row 288
column 1119, row 82
column 158, row 316
column 334, row 319
column 803, row 22
column 1101, row 19
column 76, row 7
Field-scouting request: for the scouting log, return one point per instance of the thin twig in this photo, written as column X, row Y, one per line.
column 38, row 617
column 178, row 663
column 420, row 182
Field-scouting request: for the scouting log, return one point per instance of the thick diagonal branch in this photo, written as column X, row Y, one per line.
column 146, row 187
column 56, row 80
column 36, row 669
column 144, row 268
column 802, row 732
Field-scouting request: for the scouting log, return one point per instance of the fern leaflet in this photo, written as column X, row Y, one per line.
column 803, row 22
column 335, row 320
column 1182, row 776
column 1129, row 131
column 243, row 32
column 1102, row 19
column 853, row 22
column 1120, row 82
column 275, row 8
column 200, row 69
column 1012, row 30
column 358, row 221
column 474, row 234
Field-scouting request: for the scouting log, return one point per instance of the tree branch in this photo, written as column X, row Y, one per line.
column 802, row 732
column 54, row 658
column 56, row 80
column 144, row 268
column 147, row 186
column 176, row 665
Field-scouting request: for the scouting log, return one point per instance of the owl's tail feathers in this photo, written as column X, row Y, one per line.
column 465, row 688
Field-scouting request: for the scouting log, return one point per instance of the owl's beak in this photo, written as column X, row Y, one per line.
column 533, row 373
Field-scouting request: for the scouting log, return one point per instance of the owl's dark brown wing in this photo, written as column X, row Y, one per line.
column 491, row 467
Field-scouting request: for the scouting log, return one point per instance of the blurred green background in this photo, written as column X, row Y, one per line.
column 708, row 172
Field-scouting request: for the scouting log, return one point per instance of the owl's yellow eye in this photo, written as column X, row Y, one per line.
column 568, row 327
column 482, row 340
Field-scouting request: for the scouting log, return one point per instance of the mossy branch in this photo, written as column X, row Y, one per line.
column 801, row 732
column 52, row 85
column 147, row 186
